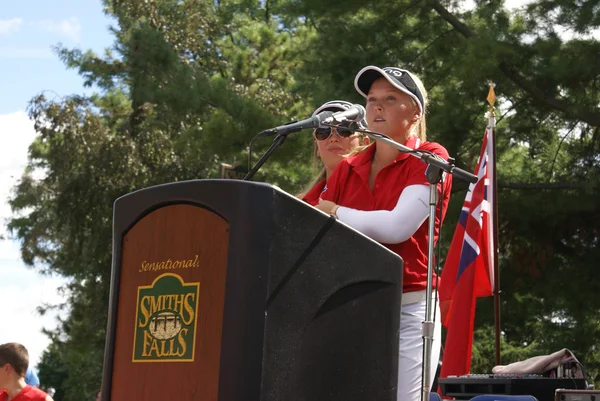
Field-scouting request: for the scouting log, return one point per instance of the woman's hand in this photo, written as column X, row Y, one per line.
column 326, row 206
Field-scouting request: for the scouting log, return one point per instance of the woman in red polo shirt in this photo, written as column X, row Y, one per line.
column 331, row 145
column 385, row 194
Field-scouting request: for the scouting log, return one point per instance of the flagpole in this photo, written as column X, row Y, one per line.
column 491, row 98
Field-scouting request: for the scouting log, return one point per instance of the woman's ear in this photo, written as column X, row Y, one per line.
column 366, row 140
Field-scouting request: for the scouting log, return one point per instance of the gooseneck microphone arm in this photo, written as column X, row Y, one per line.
column 277, row 142
column 281, row 133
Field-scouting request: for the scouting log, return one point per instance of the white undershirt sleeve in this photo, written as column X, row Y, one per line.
column 391, row 226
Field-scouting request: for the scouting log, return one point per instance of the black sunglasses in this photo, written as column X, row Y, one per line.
column 324, row 133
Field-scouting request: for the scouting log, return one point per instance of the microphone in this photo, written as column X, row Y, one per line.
column 354, row 113
column 313, row 122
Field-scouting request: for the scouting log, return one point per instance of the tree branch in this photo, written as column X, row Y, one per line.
column 429, row 45
column 452, row 20
column 544, row 185
column 267, row 12
column 511, row 72
column 461, row 186
column 562, row 140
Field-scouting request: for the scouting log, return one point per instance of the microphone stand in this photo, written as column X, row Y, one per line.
column 435, row 169
column 277, row 142
column 282, row 132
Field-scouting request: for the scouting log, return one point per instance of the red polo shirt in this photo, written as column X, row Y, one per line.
column 313, row 196
column 29, row 393
column 349, row 186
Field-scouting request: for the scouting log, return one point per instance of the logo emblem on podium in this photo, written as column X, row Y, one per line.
column 165, row 321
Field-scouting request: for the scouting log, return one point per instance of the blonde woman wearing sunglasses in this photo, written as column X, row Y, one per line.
column 331, row 145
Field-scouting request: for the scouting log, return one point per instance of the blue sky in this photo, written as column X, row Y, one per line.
column 28, row 31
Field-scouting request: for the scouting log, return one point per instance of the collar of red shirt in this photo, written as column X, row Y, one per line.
column 365, row 157
column 314, row 194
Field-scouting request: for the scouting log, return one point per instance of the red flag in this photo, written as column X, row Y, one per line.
column 469, row 268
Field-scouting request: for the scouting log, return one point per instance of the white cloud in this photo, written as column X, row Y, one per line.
column 69, row 28
column 22, row 289
column 10, row 25
column 16, row 134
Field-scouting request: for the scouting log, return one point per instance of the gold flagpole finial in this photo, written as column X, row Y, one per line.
column 491, row 97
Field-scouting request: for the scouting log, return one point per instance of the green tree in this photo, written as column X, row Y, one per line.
column 163, row 113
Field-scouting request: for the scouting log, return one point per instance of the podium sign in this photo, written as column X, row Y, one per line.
column 172, row 291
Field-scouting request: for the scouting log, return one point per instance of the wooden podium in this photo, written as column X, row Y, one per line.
column 226, row 290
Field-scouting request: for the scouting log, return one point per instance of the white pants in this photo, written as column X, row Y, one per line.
column 410, row 362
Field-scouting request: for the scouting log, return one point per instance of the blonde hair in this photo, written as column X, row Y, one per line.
column 421, row 127
column 318, row 168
